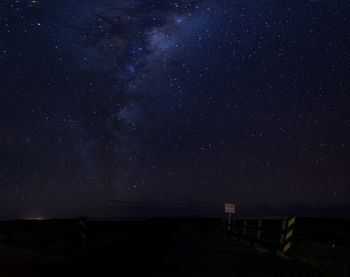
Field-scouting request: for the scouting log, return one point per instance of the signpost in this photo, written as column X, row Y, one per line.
column 230, row 209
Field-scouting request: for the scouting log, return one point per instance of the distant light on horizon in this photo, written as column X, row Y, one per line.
column 36, row 218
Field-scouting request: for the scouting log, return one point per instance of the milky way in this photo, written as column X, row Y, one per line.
column 116, row 108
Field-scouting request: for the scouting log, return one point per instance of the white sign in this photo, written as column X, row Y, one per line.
column 230, row 208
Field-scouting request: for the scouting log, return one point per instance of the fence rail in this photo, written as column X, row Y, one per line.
column 274, row 233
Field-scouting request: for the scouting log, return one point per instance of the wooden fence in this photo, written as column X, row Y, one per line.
column 274, row 233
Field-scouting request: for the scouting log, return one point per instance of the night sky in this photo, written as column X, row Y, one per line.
column 130, row 107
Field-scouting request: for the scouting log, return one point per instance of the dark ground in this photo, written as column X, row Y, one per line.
column 165, row 247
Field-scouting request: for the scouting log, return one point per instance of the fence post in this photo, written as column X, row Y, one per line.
column 229, row 222
column 284, row 228
column 83, row 228
column 245, row 227
column 279, row 251
column 258, row 233
column 288, row 234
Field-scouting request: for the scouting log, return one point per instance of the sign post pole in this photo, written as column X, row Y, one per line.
column 230, row 209
column 229, row 222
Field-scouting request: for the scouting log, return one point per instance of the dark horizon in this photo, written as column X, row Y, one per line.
column 151, row 210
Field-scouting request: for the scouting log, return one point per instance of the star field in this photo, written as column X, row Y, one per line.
column 178, row 105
